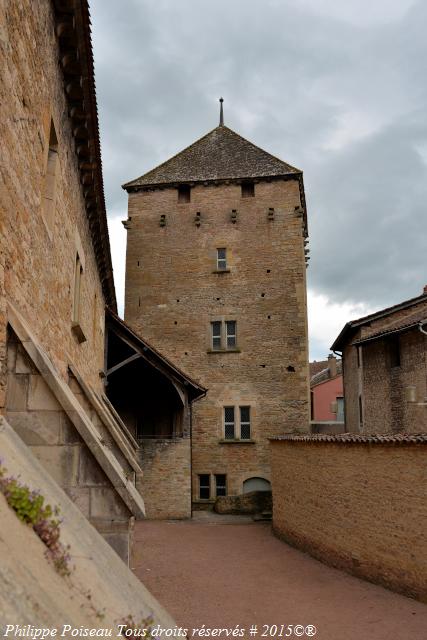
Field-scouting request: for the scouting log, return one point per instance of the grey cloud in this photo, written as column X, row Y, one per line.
column 291, row 79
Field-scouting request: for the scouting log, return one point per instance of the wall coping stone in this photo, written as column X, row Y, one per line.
column 355, row 438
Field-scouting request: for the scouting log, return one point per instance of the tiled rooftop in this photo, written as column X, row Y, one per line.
column 220, row 155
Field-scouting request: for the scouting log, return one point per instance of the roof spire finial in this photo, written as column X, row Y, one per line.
column 221, row 112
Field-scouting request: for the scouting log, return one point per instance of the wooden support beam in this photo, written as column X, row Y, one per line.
column 123, row 363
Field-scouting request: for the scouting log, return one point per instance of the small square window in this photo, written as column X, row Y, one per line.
column 229, row 424
column 221, row 259
column 248, row 189
column 204, row 486
column 221, row 484
column 184, row 193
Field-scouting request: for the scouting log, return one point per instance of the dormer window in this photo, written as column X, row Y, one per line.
column 184, row 193
column 248, row 189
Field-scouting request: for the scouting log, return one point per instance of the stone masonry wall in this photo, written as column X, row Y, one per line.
column 34, row 413
column 39, row 249
column 359, row 507
column 166, row 479
column 385, row 408
column 173, row 292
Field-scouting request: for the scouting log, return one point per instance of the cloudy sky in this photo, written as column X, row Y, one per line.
column 337, row 88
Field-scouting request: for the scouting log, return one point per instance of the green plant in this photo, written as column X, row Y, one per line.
column 30, row 508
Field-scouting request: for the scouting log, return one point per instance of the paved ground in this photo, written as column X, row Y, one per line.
column 222, row 575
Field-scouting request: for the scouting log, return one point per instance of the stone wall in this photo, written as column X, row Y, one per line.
column 38, row 249
column 359, row 506
column 382, row 386
column 166, row 480
column 100, row 592
column 174, row 292
column 37, row 417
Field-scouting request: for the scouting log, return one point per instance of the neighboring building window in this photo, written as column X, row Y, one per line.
column 229, row 424
column 340, row 409
column 240, row 431
column 204, row 486
column 184, row 193
column 224, row 335
column 230, row 333
column 248, row 189
column 394, row 347
column 49, row 187
column 216, row 335
column 221, row 259
column 221, row 484
column 358, row 351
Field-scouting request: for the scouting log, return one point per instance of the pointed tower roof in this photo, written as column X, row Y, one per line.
column 220, row 155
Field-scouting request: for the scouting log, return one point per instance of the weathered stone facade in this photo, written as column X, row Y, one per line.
column 175, row 290
column 384, row 355
column 357, row 503
column 55, row 264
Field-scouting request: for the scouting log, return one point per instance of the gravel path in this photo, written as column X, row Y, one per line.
column 222, row 575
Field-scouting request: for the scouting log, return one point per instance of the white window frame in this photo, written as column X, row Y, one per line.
column 237, row 422
column 230, row 334
column 220, row 334
column 221, row 262
column 220, row 486
column 228, row 423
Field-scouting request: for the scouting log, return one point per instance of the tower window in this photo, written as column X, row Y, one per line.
column 220, row 484
column 221, row 259
column 184, row 193
column 248, row 189
column 204, row 486
column 237, row 430
column 224, row 335
column 230, row 332
column 216, row 335
column 229, row 424
column 245, row 423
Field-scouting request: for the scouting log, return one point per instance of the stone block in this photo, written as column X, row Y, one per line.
column 16, row 392
column 81, row 498
column 61, row 462
column 69, row 433
column 36, row 427
column 252, row 502
column 120, row 543
column 90, row 473
column 40, row 396
column 106, row 504
column 23, row 363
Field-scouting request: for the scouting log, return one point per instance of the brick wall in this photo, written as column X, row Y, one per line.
column 173, row 293
column 35, row 414
column 39, row 250
column 357, row 506
column 166, row 480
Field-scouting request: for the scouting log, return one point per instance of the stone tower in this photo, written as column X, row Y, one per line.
column 215, row 278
